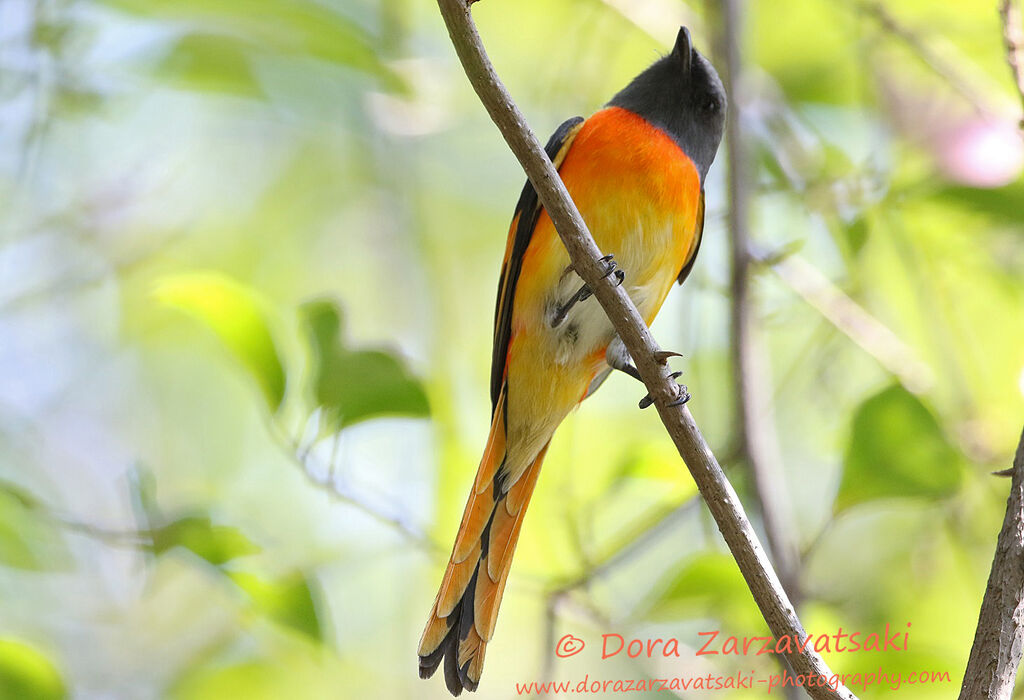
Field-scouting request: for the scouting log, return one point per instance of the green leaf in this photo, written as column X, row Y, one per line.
column 292, row 601
column 216, row 544
column 354, row 385
column 29, row 538
column 897, row 449
column 26, row 674
column 237, row 316
column 211, row 62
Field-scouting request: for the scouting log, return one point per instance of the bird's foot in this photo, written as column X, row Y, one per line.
column 585, row 292
column 610, row 268
column 682, row 393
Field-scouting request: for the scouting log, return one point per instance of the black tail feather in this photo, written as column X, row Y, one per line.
column 460, row 621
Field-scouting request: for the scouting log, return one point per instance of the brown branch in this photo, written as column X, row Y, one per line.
column 999, row 640
column 716, row 490
column 1013, row 37
column 757, row 441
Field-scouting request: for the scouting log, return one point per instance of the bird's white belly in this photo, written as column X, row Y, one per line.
column 586, row 327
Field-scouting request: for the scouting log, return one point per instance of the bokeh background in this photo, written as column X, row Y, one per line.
column 248, row 254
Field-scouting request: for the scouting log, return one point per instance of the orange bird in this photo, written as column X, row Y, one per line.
column 636, row 171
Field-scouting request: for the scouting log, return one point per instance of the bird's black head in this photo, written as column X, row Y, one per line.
column 681, row 94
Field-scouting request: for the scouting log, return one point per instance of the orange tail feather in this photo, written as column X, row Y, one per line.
column 466, row 608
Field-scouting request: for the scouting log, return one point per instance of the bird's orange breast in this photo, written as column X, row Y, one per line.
column 638, row 193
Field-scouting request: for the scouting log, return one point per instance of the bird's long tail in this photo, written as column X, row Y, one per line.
column 466, row 608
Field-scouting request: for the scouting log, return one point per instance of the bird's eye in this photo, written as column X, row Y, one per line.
column 711, row 104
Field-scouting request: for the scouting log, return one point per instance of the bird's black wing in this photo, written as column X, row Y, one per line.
column 523, row 223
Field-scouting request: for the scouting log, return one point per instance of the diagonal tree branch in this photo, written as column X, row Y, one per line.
column 999, row 640
column 716, row 490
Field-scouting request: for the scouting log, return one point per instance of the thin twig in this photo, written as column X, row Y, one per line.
column 756, row 437
column 999, row 640
column 69, row 285
column 133, row 539
column 952, row 74
column 855, row 322
column 1013, row 37
column 755, row 434
column 547, row 664
column 630, row 545
column 302, row 457
column 718, row 493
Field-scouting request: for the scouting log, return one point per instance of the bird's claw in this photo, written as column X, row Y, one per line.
column 611, row 268
column 683, row 394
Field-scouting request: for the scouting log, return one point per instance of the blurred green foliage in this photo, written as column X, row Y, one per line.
column 29, row 539
column 235, row 315
column 354, row 385
column 244, row 33
column 290, row 601
column 216, row 544
column 708, row 581
column 27, row 674
column 897, row 449
column 315, row 186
